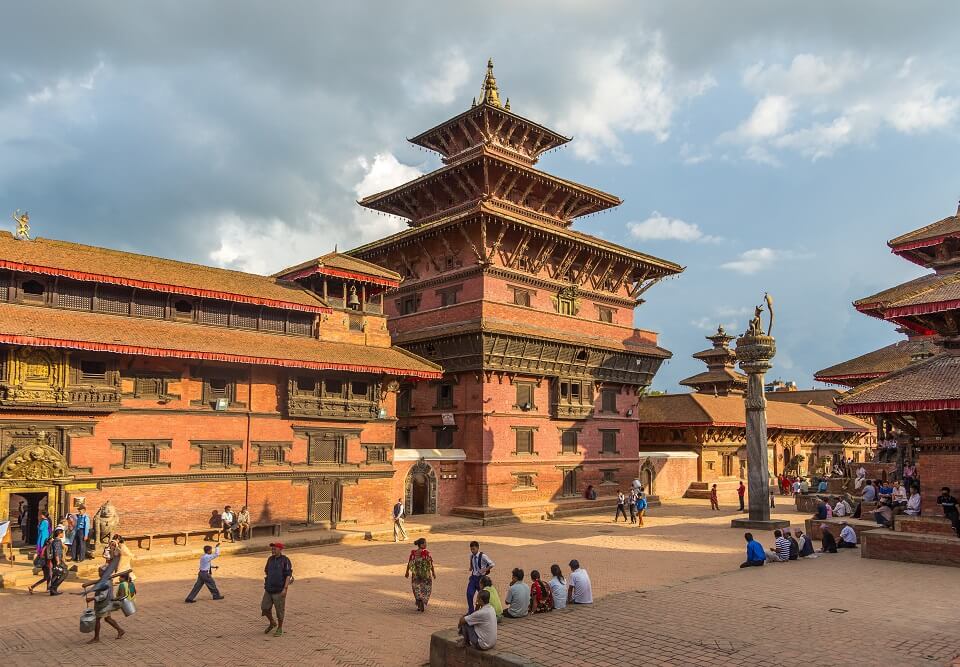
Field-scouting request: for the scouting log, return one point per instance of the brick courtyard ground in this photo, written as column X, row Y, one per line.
column 351, row 605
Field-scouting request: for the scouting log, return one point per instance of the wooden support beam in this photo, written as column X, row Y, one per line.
column 496, row 243
column 410, row 268
column 597, row 281
column 556, row 271
column 623, row 277
column 471, row 243
column 477, row 190
column 453, row 197
column 563, row 205
column 451, row 255
column 547, row 199
column 477, row 127
column 523, row 139
column 564, row 267
column 526, row 193
column 495, row 191
column 429, row 195
column 458, row 179
column 536, row 145
column 519, row 249
column 585, row 272
column 543, row 255
column 506, row 137
column 429, row 256
column 511, row 185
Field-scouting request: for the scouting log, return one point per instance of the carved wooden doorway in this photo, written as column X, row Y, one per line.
column 570, row 482
column 421, row 489
column 324, row 502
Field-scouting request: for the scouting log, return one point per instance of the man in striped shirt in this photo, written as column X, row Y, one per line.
column 781, row 549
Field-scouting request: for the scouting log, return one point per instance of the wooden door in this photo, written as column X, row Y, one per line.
column 324, row 502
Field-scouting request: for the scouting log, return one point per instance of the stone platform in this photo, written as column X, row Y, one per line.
column 726, row 489
column 492, row 516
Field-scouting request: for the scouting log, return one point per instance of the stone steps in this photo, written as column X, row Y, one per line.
column 701, row 490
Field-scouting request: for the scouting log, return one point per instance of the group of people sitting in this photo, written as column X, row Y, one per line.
column 479, row 628
column 794, row 545
column 235, row 525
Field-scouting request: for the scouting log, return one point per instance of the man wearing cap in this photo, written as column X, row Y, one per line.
column 278, row 573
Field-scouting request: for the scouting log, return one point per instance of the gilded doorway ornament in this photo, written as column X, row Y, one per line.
column 34, row 463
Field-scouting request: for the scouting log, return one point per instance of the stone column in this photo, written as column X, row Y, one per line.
column 754, row 352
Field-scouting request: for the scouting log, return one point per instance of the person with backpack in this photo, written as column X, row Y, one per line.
column 420, row 566
column 480, row 565
column 641, row 508
column 44, row 530
column 541, row 597
column 42, row 563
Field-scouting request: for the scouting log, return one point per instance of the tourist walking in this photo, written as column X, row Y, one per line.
column 714, row 502
column 621, row 500
column 278, row 574
column 421, row 573
column 81, row 534
column 580, row 590
column 399, row 513
column 480, row 565
column 42, row 561
column 205, row 575
column 741, row 491
column 558, row 587
column 632, row 504
column 58, row 567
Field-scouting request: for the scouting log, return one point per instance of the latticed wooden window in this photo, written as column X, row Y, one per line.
column 609, row 476
column 149, row 304
column 77, row 296
column 608, row 400
column 140, row 455
column 113, row 300
column 521, row 297
column 524, row 444
column 376, row 454
column 244, row 317
column 609, row 442
column 605, row 314
column 525, row 481
column 325, row 448
column 148, row 386
column 568, row 442
column 271, row 455
column 215, row 312
column 356, row 322
column 272, row 320
column 299, row 324
column 215, row 456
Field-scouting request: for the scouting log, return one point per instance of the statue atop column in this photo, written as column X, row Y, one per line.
column 755, row 348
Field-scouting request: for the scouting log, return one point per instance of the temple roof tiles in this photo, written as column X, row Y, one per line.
column 929, row 235
column 929, row 385
column 98, row 332
column 878, row 362
column 343, row 266
column 929, row 293
column 92, row 263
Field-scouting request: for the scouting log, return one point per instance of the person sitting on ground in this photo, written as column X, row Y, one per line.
column 899, row 495
column 822, row 486
column 806, row 545
column 828, row 544
column 869, row 493
column 794, row 545
column 804, row 485
column 541, row 597
column 243, row 523
column 558, row 587
column 518, row 596
column 821, row 512
column 883, row 515
column 780, row 553
column 848, row 537
column 589, row 493
column 486, row 584
column 841, row 507
column 580, row 590
column 913, row 503
column 755, row 553
column 479, row 629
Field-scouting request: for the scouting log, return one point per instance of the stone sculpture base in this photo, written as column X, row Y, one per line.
column 760, row 524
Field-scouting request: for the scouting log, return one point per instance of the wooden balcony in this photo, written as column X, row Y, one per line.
column 570, row 410
column 316, row 407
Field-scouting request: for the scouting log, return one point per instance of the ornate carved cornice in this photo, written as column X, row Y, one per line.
column 299, row 474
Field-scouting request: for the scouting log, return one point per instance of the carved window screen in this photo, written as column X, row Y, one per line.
column 525, row 481
column 609, row 442
column 521, row 297
column 608, row 400
column 376, row 454
column 568, row 442
column 356, row 322
column 149, row 387
column 300, row 325
column 270, row 456
column 93, row 371
column 149, row 304
column 216, row 456
column 74, row 295
column 113, row 300
column 140, row 453
column 272, row 320
column 326, row 448
column 608, row 477
column 216, row 313
column 244, row 317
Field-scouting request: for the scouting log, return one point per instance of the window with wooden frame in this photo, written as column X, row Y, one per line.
column 444, row 437
column 306, row 384
column 271, row 453
column 568, row 441
column 566, row 306
column 138, row 454
column 360, row 390
column 608, row 401
column 524, row 396
column 183, row 310
column 326, row 447
column 444, row 395
column 608, row 441
column 575, row 392
column 216, row 386
column 522, row 297
column 524, row 440
column 215, row 454
column 524, row 481
column 608, row 476
column 604, row 314
column 74, row 295
column 449, row 296
column 149, row 304
column 300, row 324
column 376, row 454
column 333, row 388
column 32, row 290
column 404, row 401
column 92, row 371
column 146, row 386
column 404, row 437
column 408, row 304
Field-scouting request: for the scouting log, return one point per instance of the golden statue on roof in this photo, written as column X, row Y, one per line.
column 23, row 225
column 488, row 91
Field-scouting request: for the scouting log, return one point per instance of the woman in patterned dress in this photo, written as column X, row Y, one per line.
column 420, row 565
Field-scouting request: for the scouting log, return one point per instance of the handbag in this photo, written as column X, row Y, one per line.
column 128, row 607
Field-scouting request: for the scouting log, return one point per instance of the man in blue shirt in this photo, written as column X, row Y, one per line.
column 756, row 556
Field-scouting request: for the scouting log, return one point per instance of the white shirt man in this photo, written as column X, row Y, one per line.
column 580, row 590
column 848, row 535
column 481, row 626
column 913, row 504
column 840, row 509
column 899, row 494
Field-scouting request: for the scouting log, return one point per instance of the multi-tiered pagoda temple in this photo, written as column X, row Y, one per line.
column 531, row 320
column 922, row 398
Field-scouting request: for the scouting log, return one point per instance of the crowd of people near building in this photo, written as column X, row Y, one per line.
column 793, row 544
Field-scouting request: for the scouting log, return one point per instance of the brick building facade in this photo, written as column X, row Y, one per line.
column 531, row 320
column 173, row 389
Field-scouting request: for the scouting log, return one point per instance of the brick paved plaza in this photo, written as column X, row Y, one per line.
column 351, row 605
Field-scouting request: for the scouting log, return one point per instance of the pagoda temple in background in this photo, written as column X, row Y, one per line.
column 531, row 320
column 921, row 399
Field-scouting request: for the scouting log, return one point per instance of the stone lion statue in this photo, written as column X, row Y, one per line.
column 105, row 522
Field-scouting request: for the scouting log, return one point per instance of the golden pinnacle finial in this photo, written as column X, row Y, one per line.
column 507, row 104
column 488, row 92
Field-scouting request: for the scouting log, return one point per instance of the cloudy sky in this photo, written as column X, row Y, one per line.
column 767, row 146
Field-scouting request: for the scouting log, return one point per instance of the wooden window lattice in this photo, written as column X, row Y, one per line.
column 148, row 304
column 244, row 317
column 301, row 325
column 76, row 296
column 215, row 313
column 272, row 320
column 609, row 442
column 113, row 300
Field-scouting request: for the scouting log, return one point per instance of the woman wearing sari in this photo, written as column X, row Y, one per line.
column 420, row 565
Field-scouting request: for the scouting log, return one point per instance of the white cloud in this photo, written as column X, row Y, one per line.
column 625, row 88
column 442, row 83
column 658, row 227
column 818, row 105
column 265, row 245
column 758, row 259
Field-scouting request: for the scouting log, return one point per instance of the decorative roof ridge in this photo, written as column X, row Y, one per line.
column 915, row 367
column 915, row 234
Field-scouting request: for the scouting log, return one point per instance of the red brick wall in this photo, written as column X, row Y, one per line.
column 673, row 476
column 937, row 469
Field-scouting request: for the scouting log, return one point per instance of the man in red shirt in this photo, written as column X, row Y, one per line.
column 740, row 491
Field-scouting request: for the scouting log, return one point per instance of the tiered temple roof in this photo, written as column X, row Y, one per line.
column 928, row 305
column 879, row 362
column 720, row 377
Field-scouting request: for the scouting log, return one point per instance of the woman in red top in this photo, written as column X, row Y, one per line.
column 420, row 565
column 541, row 597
